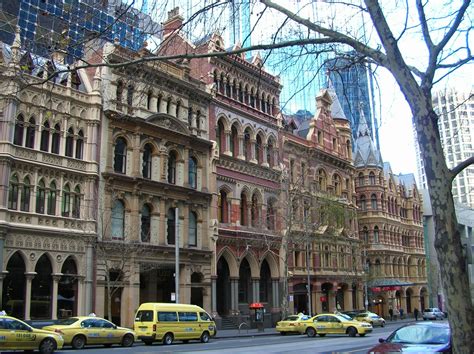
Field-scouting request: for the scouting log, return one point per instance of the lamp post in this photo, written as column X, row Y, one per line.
column 308, row 278
column 366, row 275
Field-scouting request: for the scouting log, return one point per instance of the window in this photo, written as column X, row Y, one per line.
column 373, row 202
column 187, row 316
column 243, row 209
column 172, row 167
column 40, row 197
column 171, row 222
column 192, row 232
column 148, row 100
column 76, row 203
column 322, row 180
column 303, row 173
column 130, row 91
column 361, row 179
column 336, row 181
column 158, row 103
column 247, row 145
column 45, row 137
column 371, row 178
column 204, row 316
column 259, row 150
column 362, row 203
column 145, row 224
column 119, row 93
column 222, row 207
column 376, row 234
column 13, row 193
column 66, row 201
column 220, row 136
column 30, row 133
column 234, row 141
column 255, row 211
column 52, row 194
column 271, row 215
column 56, row 139
column 178, row 109
column 25, row 195
column 192, row 172
column 70, row 142
column 118, row 219
column 270, row 153
column 19, row 127
column 79, row 145
column 365, row 234
column 147, row 161
column 120, row 156
column 167, row 317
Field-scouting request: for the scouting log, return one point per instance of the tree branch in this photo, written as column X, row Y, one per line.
column 424, row 25
column 459, row 168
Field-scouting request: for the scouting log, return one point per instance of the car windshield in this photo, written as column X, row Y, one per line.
column 420, row 334
column 67, row 321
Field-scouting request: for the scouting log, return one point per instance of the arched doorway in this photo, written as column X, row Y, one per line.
column 265, row 283
column 197, row 291
column 377, row 305
column 409, row 295
column 223, row 288
column 41, row 289
column 300, row 294
column 423, row 297
column 325, row 289
column 245, row 283
column 67, row 290
column 341, row 290
column 398, row 300
column 14, row 287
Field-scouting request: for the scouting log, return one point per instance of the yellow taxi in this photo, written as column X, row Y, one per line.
column 290, row 324
column 370, row 317
column 83, row 330
column 17, row 335
column 333, row 324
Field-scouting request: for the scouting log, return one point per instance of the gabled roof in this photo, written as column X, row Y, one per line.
column 336, row 108
column 366, row 154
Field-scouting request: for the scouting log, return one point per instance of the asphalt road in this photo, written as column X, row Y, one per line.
column 300, row 344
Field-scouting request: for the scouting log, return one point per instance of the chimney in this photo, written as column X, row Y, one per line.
column 174, row 22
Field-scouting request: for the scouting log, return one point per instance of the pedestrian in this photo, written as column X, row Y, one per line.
column 390, row 312
column 415, row 313
column 401, row 313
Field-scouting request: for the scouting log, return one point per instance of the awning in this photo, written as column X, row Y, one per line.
column 379, row 283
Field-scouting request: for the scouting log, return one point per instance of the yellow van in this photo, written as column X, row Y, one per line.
column 165, row 323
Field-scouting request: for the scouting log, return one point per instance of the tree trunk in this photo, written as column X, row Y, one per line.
column 448, row 245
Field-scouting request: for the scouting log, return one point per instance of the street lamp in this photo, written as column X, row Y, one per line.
column 366, row 274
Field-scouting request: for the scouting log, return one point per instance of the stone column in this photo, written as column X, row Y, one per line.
column 162, row 223
column 54, row 304
column 275, row 293
column 89, row 306
column 234, row 289
column 253, row 158
column 265, row 162
column 213, row 295
column 318, row 294
column 227, row 134
column 163, row 104
column 348, row 305
column 80, row 296
column 29, row 278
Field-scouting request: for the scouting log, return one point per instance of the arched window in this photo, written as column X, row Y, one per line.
column 361, row 179
column 55, row 144
column 19, row 127
column 234, row 141
column 336, row 181
column 80, row 145
column 25, row 195
column 172, row 167
column 30, row 133
column 365, row 234
column 373, row 202
column 348, row 148
column 255, row 211
column 158, row 103
column 270, row 153
column 241, row 93
column 70, row 142
column 76, row 203
column 168, row 106
column 52, row 195
column 220, row 136
column 259, row 149
column 321, row 180
column 66, row 201
column 149, row 96
column 40, row 197
column 120, row 156
column 243, row 209
column 362, row 203
column 192, row 172
column 178, row 109
column 118, row 219
column 271, row 215
column 222, row 207
column 376, row 234
column 145, row 223
column 192, row 231
column 147, row 161
column 247, row 145
column 171, row 222
column 198, row 121
column 13, row 193
column 130, row 92
column 372, row 178
column 45, row 137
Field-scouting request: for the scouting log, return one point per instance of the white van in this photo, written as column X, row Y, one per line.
column 165, row 322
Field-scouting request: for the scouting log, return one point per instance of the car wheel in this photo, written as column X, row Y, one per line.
column 168, row 339
column 127, row 340
column 321, row 334
column 78, row 342
column 351, row 331
column 382, row 324
column 310, row 332
column 205, row 337
column 47, row 346
column 147, row 342
column 108, row 345
column 283, row 333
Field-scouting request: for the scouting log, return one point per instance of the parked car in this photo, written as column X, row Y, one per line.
column 17, row 335
column 81, row 331
column 420, row 337
column 290, row 324
column 433, row 313
column 353, row 313
column 372, row 318
column 333, row 324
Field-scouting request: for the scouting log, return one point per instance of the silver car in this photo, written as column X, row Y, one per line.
column 433, row 313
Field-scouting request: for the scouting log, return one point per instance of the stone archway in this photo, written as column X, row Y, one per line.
column 14, row 287
column 223, row 286
column 68, row 290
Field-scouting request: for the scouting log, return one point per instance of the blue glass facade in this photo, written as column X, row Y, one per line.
column 48, row 25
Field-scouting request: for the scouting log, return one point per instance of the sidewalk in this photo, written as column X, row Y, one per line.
column 271, row 331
